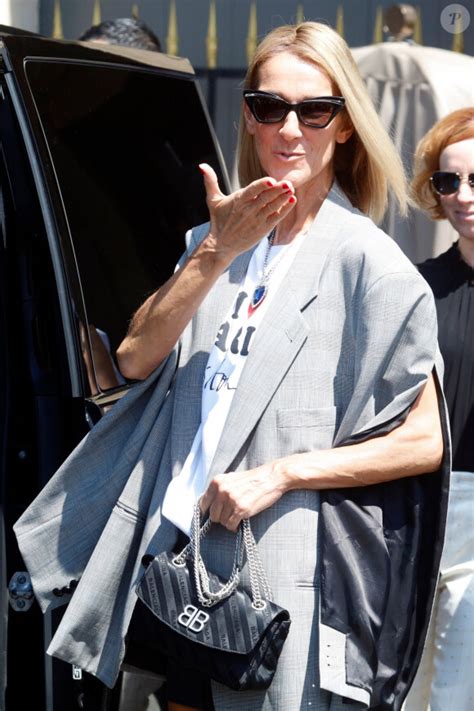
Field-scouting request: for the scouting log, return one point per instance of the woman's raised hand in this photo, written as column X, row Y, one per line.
column 241, row 219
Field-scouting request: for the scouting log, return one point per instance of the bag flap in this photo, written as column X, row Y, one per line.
column 232, row 625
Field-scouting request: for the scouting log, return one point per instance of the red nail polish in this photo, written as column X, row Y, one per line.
column 269, row 184
column 292, row 200
column 286, row 186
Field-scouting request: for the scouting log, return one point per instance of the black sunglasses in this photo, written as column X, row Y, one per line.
column 270, row 108
column 446, row 183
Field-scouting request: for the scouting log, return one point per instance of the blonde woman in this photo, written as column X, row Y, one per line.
column 290, row 358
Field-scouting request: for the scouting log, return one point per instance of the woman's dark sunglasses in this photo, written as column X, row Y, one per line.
column 270, row 108
column 446, row 183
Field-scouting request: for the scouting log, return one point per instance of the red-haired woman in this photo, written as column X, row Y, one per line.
column 443, row 186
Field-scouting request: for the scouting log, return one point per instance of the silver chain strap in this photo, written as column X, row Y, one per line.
column 245, row 541
column 259, row 584
column 275, row 262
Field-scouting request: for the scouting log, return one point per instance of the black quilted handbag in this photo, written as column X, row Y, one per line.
column 208, row 625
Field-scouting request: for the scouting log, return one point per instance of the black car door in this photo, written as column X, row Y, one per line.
column 99, row 151
column 3, row 432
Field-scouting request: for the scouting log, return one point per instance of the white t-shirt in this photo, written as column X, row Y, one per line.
column 224, row 367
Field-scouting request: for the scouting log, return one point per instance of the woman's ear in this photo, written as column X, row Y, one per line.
column 344, row 132
column 249, row 120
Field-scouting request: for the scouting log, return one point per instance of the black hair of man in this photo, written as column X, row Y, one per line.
column 126, row 31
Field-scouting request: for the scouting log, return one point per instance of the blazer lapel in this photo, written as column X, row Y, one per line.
column 276, row 344
column 282, row 332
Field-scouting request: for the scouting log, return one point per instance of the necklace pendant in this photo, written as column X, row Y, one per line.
column 257, row 298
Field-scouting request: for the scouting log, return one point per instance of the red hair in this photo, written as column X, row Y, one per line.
column 456, row 126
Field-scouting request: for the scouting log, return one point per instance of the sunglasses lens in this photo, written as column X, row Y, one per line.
column 445, row 183
column 266, row 109
column 316, row 113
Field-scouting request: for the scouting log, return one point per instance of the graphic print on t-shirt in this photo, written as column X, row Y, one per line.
column 230, row 341
column 240, row 342
column 231, row 345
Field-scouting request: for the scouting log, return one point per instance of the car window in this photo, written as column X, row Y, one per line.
column 125, row 145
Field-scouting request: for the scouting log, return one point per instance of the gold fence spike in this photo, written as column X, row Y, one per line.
column 172, row 43
column 57, row 21
column 211, row 39
column 96, row 15
column 252, row 32
column 134, row 11
column 378, row 27
column 458, row 36
column 299, row 13
column 340, row 20
column 417, row 31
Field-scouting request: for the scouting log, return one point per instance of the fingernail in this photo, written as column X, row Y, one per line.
column 286, row 186
column 292, row 200
column 269, row 184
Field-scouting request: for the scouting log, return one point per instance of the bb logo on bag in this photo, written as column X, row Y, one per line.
column 193, row 619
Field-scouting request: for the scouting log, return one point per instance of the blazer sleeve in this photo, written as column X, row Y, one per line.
column 395, row 351
column 60, row 529
column 383, row 542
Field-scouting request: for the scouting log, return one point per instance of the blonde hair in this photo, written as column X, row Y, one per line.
column 456, row 126
column 368, row 164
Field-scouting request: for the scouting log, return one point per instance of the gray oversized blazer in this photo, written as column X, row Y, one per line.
column 346, row 344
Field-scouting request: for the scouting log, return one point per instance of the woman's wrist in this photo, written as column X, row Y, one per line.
column 312, row 470
column 284, row 475
column 218, row 256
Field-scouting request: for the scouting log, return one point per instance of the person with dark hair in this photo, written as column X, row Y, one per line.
column 443, row 186
column 399, row 22
column 125, row 31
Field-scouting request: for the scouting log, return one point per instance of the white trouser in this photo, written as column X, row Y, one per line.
column 445, row 678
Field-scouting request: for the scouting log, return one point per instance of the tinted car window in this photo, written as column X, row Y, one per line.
column 125, row 145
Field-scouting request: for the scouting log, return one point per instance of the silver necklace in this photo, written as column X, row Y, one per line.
column 261, row 289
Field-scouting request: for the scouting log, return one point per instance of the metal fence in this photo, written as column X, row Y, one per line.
column 219, row 36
